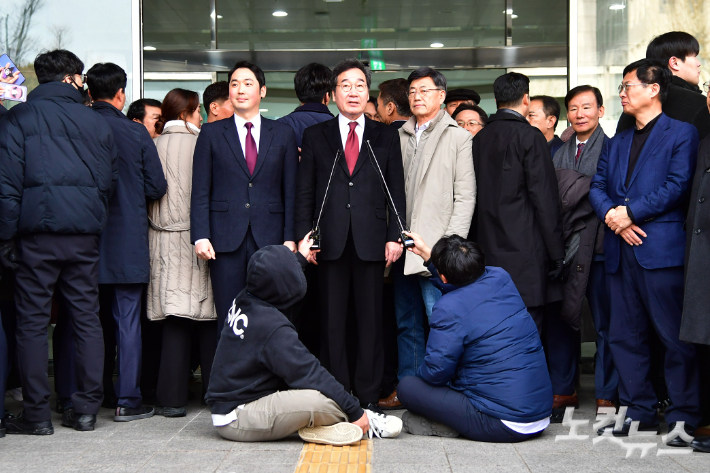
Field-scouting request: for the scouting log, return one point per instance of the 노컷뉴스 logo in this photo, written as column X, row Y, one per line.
column 233, row 318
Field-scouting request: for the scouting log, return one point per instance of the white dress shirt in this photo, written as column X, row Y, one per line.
column 580, row 142
column 418, row 130
column 344, row 125
column 242, row 130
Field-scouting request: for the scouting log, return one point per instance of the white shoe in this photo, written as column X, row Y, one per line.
column 343, row 433
column 16, row 394
column 382, row 425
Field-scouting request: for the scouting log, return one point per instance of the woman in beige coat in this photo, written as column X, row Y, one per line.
column 180, row 291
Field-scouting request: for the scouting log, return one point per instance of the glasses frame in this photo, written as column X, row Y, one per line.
column 706, row 87
column 422, row 91
column 348, row 87
column 472, row 123
column 625, row 87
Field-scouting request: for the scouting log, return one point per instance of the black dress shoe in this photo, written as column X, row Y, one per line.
column 80, row 422
column 126, row 414
column 678, row 441
column 626, row 426
column 701, row 444
column 170, row 411
column 20, row 426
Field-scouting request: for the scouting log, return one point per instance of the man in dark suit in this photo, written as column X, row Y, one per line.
column 356, row 237
column 243, row 187
column 517, row 220
column 640, row 190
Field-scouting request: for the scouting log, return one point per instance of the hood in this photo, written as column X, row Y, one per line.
column 57, row 91
column 275, row 276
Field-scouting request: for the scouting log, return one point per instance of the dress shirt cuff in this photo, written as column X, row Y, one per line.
column 200, row 240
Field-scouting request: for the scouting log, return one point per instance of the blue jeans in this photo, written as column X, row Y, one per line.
column 413, row 296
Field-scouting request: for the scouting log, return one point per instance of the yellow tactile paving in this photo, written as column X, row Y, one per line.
column 329, row 459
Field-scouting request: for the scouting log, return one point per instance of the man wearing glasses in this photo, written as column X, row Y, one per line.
column 640, row 191
column 441, row 193
column 339, row 190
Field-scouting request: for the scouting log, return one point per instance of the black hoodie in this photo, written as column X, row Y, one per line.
column 259, row 352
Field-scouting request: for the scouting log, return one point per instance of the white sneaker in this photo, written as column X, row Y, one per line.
column 16, row 394
column 382, row 425
column 343, row 433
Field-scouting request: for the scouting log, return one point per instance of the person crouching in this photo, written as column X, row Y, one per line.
column 265, row 384
column 484, row 373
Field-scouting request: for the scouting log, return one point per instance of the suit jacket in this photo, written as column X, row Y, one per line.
column 226, row 199
column 657, row 193
column 517, row 219
column 355, row 203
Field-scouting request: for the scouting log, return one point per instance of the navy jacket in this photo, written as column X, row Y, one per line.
column 3, row 111
column 483, row 343
column 656, row 195
column 226, row 199
column 306, row 115
column 58, row 165
column 123, row 246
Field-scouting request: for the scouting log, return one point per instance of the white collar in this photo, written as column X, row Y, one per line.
column 423, row 126
column 344, row 121
column 182, row 123
column 256, row 121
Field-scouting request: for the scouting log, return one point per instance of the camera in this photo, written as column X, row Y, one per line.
column 315, row 236
column 407, row 241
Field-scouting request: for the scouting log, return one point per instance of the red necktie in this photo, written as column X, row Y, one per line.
column 250, row 149
column 580, row 147
column 352, row 148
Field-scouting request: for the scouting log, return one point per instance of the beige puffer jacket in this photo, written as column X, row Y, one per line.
column 179, row 282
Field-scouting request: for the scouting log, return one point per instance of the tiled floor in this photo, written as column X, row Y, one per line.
column 190, row 444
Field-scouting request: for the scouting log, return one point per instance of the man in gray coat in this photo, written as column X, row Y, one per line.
column 440, row 187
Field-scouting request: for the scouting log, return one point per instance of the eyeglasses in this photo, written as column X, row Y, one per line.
column 471, row 123
column 628, row 84
column 348, row 87
column 706, row 87
column 81, row 76
column 423, row 91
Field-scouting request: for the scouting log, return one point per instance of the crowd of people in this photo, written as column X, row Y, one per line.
column 412, row 252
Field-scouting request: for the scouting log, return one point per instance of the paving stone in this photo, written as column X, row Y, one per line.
column 184, row 461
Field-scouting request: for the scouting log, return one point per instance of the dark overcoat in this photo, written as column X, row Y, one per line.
column 517, row 219
column 695, row 326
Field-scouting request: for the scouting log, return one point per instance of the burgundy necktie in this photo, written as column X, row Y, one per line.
column 352, row 148
column 250, row 149
column 580, row 147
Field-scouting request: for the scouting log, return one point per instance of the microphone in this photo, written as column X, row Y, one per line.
column 316, row 236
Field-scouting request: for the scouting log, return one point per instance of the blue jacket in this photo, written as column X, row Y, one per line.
column 656, row 195
column 483, row 343
column 226, row 199
column 123, row 246
column 306, row 115
column 58, row 165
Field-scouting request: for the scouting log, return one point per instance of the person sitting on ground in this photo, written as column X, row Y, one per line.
column 484, row 373
column 265, row 384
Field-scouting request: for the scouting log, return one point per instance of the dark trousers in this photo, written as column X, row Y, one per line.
column 9, row 322
column 538, row 314
column 71, row 263
column 151, row 338
column 562, row 348
column 643, row 300
column 64, row 363
column 4, row 369
column 606, row 378
column 108, row 326
column 175, row 358
column 363, row 280
column 453, row 409
column 125, row 308
column 389, row 341
column 229, row 276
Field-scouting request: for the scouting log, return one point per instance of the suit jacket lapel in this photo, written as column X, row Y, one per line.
column 232, row 137
column 370, row 133
column 626, row 138
column 657, row 135
column 265, row 137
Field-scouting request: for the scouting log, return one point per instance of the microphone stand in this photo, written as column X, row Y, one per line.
column 315, row 235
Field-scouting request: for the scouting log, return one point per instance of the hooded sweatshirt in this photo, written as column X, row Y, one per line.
column 259, row 352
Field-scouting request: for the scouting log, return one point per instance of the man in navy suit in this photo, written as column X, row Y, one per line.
column 243, row 187
column 640, row 191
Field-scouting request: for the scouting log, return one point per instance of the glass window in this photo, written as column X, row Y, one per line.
column 176, row 24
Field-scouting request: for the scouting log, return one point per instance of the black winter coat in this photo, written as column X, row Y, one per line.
column 306, row 115
column 58, row 165
column 684, row 102
column 695, row 326
column 123, row 245
column 517, row 219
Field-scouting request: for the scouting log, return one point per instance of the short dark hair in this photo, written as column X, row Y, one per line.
column 422, row 72
column 672, row 44
column 580, row 89
column 217, row 92
column 395, row 91
column 105, row 79
column 550, row 106
column 652, row 71
column 56, row 65
column 312, row 82
column 137, row 109
column 474, row 108
column 260, row 77
column 460, row 260
column 346, row 65
column 372, row 100
column 509, row 89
